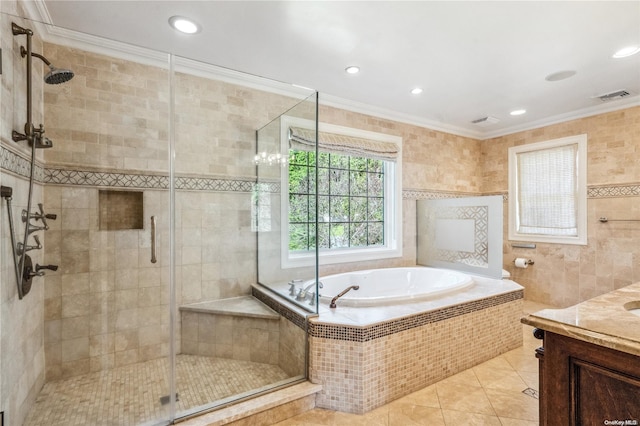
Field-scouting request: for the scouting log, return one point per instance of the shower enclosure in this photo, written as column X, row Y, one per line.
column 286, row 212
column 165, row 222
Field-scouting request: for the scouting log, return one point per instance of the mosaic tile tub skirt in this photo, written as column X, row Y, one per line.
column 361, row 369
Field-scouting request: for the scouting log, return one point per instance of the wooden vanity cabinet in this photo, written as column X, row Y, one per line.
column 585, row 384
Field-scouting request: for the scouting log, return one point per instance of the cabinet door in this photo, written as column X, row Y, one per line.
column 587, row 384
column 603, row 394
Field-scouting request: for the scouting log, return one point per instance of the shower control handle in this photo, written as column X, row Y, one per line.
column 49, row 267
column 39, row 216
column 23, row 249
column 153, row 240
column 32, row 228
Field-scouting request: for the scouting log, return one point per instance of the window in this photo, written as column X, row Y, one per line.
column 358, row 195
column 547, row 191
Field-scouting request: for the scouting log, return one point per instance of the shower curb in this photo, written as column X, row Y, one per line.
column 263, row 410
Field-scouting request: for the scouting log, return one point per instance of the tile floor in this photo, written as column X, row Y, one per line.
column 502, row 391
column 130, row 395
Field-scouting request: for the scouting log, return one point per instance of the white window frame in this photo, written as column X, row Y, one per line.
column 581, row 196
column 392, row 203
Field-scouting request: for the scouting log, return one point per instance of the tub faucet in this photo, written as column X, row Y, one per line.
column 292, row 287
column 304, row 292
column 320, row 285
column 342, row 293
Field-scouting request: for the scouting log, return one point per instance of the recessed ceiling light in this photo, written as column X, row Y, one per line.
column 626, row 51
column 560, row 75
column 416, row 91
column 184, row 25
column 352, row 70
column 518, row 112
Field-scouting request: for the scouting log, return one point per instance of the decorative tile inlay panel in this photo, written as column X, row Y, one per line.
column 479, row 216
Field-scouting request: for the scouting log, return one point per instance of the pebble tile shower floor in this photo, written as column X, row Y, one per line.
column 130, row 395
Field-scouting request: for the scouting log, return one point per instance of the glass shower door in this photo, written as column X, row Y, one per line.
column 90, row 342
column 232, row 346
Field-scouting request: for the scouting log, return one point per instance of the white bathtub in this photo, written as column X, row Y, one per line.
column 393, row 285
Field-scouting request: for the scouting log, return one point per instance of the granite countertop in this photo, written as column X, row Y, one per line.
column 604, row 320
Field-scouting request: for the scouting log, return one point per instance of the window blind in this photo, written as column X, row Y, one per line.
column 305, row 140
column 548, row 191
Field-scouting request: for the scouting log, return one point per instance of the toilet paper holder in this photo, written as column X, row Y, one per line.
column 527, row 261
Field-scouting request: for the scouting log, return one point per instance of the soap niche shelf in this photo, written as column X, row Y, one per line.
column 120, row 210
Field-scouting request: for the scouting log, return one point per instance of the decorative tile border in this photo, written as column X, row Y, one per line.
column 417, row 194
column 19, row 165
column 14, row 163
column 294, row 317
column 607, row 191
column 376, row 331
column 118, row 180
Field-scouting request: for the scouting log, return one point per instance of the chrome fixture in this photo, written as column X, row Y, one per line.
column 292, row 287
column 342, row 293
column 303, row 294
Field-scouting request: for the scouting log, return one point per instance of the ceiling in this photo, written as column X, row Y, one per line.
column 472, row 59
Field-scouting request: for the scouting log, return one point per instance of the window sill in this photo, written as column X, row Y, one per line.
column 340, row 256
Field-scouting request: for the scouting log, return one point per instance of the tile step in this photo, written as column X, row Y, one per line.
column 263, row 410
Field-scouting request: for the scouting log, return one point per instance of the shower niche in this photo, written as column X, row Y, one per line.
column 119, row 210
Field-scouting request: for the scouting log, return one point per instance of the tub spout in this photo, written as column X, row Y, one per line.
column 303, row 293
column 320, row 285
column 342, row 293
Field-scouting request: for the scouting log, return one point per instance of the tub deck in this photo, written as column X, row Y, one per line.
column 370, row 315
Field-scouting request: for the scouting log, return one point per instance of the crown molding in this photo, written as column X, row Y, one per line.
column 611, row 106
column 354, row 106
column 37, row 12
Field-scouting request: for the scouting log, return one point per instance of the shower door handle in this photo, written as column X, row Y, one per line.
column 153, row 240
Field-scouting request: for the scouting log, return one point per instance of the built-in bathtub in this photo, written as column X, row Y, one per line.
column 365, row 355
column 380, row 287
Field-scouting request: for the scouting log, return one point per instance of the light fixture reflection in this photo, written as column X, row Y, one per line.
column 416, row 91
column 266, row 159
column 352, row 70
column 518, row 112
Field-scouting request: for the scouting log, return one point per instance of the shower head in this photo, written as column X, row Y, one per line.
column 57, row 75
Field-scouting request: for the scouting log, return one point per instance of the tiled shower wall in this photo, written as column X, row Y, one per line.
column 107, row 305
column 567, row 274
column 22, row 357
